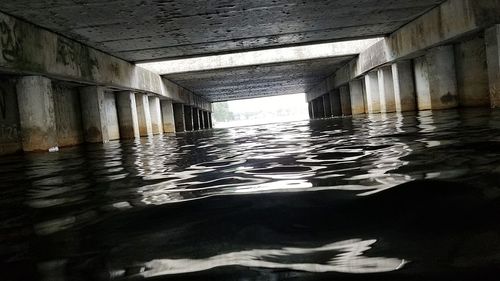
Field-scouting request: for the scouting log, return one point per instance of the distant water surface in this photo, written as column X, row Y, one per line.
column 384, row 197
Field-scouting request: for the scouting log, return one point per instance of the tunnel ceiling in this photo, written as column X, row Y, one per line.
column 144, row 30
column 258, row 81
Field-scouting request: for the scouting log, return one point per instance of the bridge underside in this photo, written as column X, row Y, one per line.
column 138, row 30
column 259, row 81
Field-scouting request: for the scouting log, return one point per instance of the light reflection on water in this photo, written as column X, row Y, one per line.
column 269, row 201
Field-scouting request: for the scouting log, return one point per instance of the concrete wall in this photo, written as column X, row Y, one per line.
column 9, row 117
column 68, row 115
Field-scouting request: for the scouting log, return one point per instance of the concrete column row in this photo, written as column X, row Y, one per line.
column 105, row 115
column 465, row 74
column 188, row 118
column 333, row 104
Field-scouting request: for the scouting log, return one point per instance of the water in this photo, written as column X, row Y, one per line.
column 414, row 197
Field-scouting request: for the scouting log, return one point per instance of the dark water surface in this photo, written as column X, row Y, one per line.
column 414, row 197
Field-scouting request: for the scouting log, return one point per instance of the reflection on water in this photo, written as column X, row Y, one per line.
column 392, row 197
column 349, row 260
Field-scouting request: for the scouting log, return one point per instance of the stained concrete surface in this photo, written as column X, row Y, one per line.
column 258, row 81
column 142, row 30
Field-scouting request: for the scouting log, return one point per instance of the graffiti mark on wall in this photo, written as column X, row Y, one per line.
column 66, row 52
column 9, row 132
column 9, row 42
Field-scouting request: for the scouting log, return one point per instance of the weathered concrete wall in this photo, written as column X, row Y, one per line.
column 68, row 115
column 9, row 117
column 26, row 49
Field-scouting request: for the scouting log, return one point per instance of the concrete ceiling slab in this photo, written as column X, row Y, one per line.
column 258, row 81
column 146, row 30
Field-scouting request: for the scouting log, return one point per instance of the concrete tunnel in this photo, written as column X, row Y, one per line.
column 70, row 74
column 111, row 168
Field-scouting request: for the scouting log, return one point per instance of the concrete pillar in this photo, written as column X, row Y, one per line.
column 320, row 107
column 179, row 117
column 327, row 105
column 314, row 109
column 335, row 103
column 210, row 120
column 155, row 111
column 310, row 108
column 345, row 101
column 404, row 86
column 202, row 120
column 205, row 119
column 37, row 115
column 436, row 80
column 167, row 113
column 188, row 118
column 144, row 115
column 127, row 115
column 472, row 73
column 386, row 89
column 196, row 119
column 357, row 100
column 95, row 125
column 492, row 38
column 372, row 92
